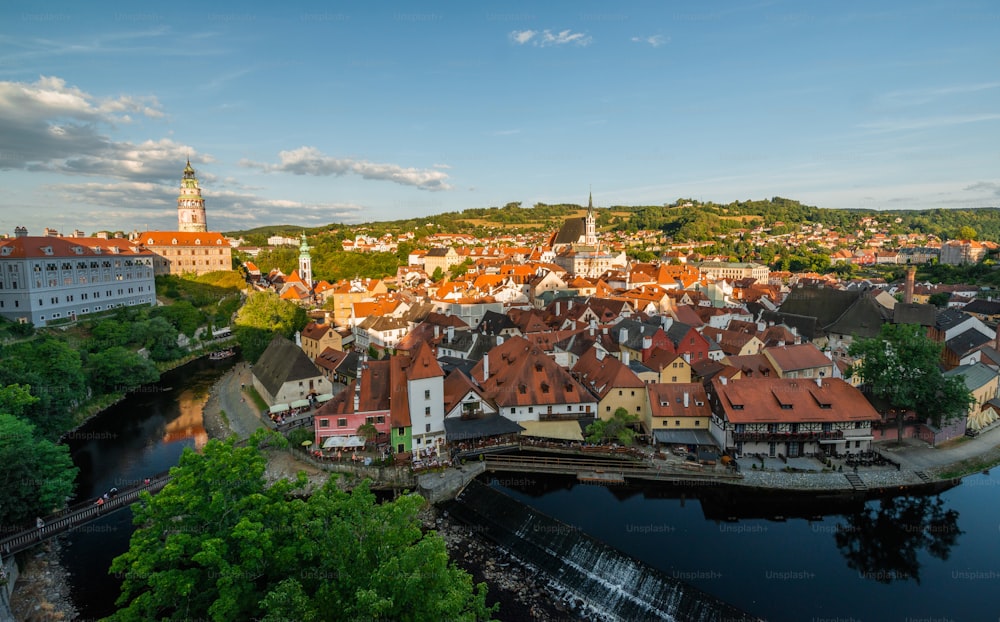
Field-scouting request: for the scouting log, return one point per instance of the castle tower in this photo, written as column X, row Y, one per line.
column 190, row 205
column 305, row 264
column 591, row 223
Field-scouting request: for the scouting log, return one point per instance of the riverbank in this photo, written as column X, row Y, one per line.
column 42, row 592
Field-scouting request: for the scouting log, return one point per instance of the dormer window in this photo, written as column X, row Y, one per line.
column 47, row 250
column 197, row 241
column 173, row 241
column 149, row 241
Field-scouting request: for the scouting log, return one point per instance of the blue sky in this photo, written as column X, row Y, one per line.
column 349, row 112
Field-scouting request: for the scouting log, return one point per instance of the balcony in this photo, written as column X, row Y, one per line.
column 780, row 437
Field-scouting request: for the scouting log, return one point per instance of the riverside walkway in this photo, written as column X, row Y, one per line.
column 78, row 515
column 607, row 470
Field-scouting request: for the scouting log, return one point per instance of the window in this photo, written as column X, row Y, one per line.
column 400, row 432
column 427, row 411
column 427, row 394
column 427, row 428
column 697, row 423
column 857, row 444
column 531, row 409
column 677, row 422
column 607, row 409
column 342, row 423
column 512, row 410
column 673, row 379
column 324, row 423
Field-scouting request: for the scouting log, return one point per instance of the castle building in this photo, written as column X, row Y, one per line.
column 46, row 278
column 192, row 249
column 190, row 204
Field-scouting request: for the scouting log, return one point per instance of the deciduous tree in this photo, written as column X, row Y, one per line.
column 220, row 543
column 37, row 475
column 900, row 366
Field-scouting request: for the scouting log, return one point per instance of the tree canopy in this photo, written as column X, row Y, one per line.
column 900, row 366
column 220, row 543
column 617, row 429
column 263, row 316
column 38, row 475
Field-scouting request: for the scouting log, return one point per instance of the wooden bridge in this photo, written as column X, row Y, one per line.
column 608, row 470
column 78, row 515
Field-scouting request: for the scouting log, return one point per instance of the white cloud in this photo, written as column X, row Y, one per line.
column 522, row 36
column 140, row 204
column 311, row 161
column 655, row 40
column 911, row 97
column 52, row 127
column 548, row 38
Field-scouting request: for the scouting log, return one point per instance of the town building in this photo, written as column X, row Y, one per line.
column 54, row 278
column 790, row 416
column 284, row 374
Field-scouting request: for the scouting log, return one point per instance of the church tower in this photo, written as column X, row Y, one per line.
column 190, row 205
column 305, row 264
column 590, row 235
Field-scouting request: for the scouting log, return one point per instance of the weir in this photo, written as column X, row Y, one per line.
column 611, row 585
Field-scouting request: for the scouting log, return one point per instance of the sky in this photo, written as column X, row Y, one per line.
column 323, row 112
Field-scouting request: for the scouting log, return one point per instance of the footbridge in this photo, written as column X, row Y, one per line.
column 78, row 515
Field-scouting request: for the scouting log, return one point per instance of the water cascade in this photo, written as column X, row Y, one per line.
column 597, row 580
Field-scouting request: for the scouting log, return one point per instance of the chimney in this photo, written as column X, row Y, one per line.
column 625, row 358
column 599, row 353
column 499, row 340
column 451, row 334
column 911, row 274
column 687, row 357
column 819, row 382
column 723, row 380
column 486, row 367
column 557, row 308
column 569, row 305
column 647, row 343
column 687, row 399
column 437, row 331
column 622, row 335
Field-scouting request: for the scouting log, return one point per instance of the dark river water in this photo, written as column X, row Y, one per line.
column 912, row 558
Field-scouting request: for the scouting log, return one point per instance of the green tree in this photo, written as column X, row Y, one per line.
column 38, row 474
column 966, row 232
column 619, row 428
column 118, row 370
column 54, row 372
column 437, row 275
column 160, row 338
column 263, row 316
column 220, row 543
column 939, row 299
column 900, row 366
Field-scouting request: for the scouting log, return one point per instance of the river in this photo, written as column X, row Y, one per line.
column 140, row 436
column 793, row 558
column 933, row 557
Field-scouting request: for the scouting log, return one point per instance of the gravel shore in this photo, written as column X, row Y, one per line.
column 43, row 592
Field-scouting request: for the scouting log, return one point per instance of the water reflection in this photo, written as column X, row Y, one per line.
column 883, row 544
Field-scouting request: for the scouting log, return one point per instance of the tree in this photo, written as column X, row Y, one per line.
column 54, row 372
column 38, row 474
column 618, row 428
column 939, row 299
column 263, row 316
column 966, row 232
column 118, row 370
column 160, row 338
column 220, row 543
column 437, row 275
column 900, row 366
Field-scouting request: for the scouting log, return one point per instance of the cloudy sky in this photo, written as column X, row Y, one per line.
column 345, row 112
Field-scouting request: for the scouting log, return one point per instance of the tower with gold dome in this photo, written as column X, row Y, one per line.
column 190, row 204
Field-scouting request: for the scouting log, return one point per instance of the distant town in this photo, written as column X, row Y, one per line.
column 476, row 340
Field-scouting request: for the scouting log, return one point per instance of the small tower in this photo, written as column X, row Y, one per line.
column 190, row 204
column 590, row 238
column 305, row 264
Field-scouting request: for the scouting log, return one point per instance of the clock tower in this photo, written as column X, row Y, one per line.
column 190, row 204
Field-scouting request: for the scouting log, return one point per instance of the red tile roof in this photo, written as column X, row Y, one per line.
column 787, row 400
